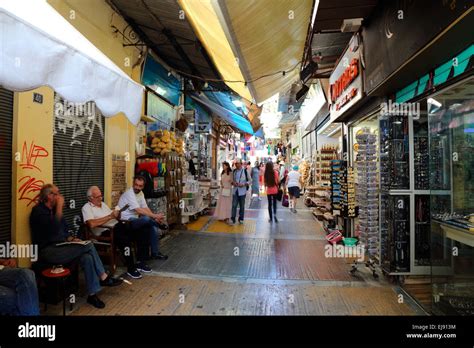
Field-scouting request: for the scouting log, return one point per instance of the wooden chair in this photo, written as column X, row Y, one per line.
column 104, row 245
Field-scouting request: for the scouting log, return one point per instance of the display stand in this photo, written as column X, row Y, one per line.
column 368, row 198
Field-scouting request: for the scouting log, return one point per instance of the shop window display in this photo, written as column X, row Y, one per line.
column 451, row 143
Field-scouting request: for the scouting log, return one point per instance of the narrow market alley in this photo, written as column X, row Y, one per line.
column 258, row 268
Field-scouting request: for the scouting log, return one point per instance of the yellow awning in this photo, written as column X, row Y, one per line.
column 248, row 39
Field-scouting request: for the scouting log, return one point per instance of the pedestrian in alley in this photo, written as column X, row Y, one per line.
column 255, row 175
column 271, row 179
column 293, row 182
column 224, row 203
column 191, row 166
column 262, row 172
column 48, row 228
column 240, row 182
column 283, row 172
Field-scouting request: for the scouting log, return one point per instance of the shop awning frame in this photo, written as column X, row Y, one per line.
column 38, row 47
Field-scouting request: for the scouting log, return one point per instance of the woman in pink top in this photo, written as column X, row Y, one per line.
column 271, row 179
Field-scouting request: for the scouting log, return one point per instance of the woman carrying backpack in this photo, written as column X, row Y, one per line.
column 271, row 179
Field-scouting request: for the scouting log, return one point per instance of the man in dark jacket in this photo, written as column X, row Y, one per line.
column 48, row 228
column 192, row 167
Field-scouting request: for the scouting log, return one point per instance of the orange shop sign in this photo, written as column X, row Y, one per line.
column 345, row 83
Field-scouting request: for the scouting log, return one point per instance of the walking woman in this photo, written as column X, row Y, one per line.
column 271, row 179
column 293, row 182
column 255, row 175
column 262, row 172
column 224, row 203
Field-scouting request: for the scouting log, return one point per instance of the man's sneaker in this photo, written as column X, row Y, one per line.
column 231, row 223
column 143, row 267
column 95, row 301
column 241, row 222
column 135, row 274
column 275, row 218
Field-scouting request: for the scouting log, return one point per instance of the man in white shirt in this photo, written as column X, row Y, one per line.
column 141, row 217
column 99, row 217
column 294, row 183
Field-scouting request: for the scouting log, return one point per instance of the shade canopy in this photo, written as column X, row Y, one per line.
column 253, row 41
column 230, row 117
column 38, row 47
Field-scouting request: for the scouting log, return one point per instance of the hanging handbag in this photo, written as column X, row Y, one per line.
column 285, row 201
column 279, row 195
column 225, row 192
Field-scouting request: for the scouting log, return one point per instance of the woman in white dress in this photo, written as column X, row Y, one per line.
column 224, row 203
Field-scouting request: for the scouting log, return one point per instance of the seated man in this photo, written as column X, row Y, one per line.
column 98, row 217
column 18, row 291
column 148, row 221
column 48, row 228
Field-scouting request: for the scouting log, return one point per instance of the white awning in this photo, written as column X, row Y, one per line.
column 38, row 47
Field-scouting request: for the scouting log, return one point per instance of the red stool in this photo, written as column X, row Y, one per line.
column 47, row 273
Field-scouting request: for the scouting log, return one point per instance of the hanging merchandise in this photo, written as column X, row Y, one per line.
column 367, row 192
column 337, row 170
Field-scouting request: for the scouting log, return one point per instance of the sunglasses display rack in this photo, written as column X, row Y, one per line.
column 399, row 232
column 337, row 170
column 367, row 196
column 348, row 196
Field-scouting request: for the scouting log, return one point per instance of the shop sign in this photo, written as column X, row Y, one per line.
column 345, row 83
column 202, row 127
column 163, row 112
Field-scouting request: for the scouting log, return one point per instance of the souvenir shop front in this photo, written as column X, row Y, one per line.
column 443, row 170
column 160, row 149
column 423, row 150
column 330, row 188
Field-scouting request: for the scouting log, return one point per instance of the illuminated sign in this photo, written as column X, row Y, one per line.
column 345, row 83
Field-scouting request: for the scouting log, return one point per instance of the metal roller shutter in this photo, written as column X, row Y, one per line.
column 6, row 126
column 78, row 154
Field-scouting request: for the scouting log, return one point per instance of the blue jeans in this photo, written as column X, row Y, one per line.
column 151, row 226
column 88, row 258
column 18, row 292
column 238, row 201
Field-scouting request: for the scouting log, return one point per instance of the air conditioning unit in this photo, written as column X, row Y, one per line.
column 351, row 25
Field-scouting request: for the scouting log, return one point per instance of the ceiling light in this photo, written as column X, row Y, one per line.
column 434, row 102
column 160, row 90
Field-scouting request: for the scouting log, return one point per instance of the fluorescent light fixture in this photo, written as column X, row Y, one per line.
column 315, row 10
column 333, row 130
column 237, row 103
column 160, row 90
column 434, row 102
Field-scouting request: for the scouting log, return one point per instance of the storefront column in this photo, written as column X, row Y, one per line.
column 32, row 157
